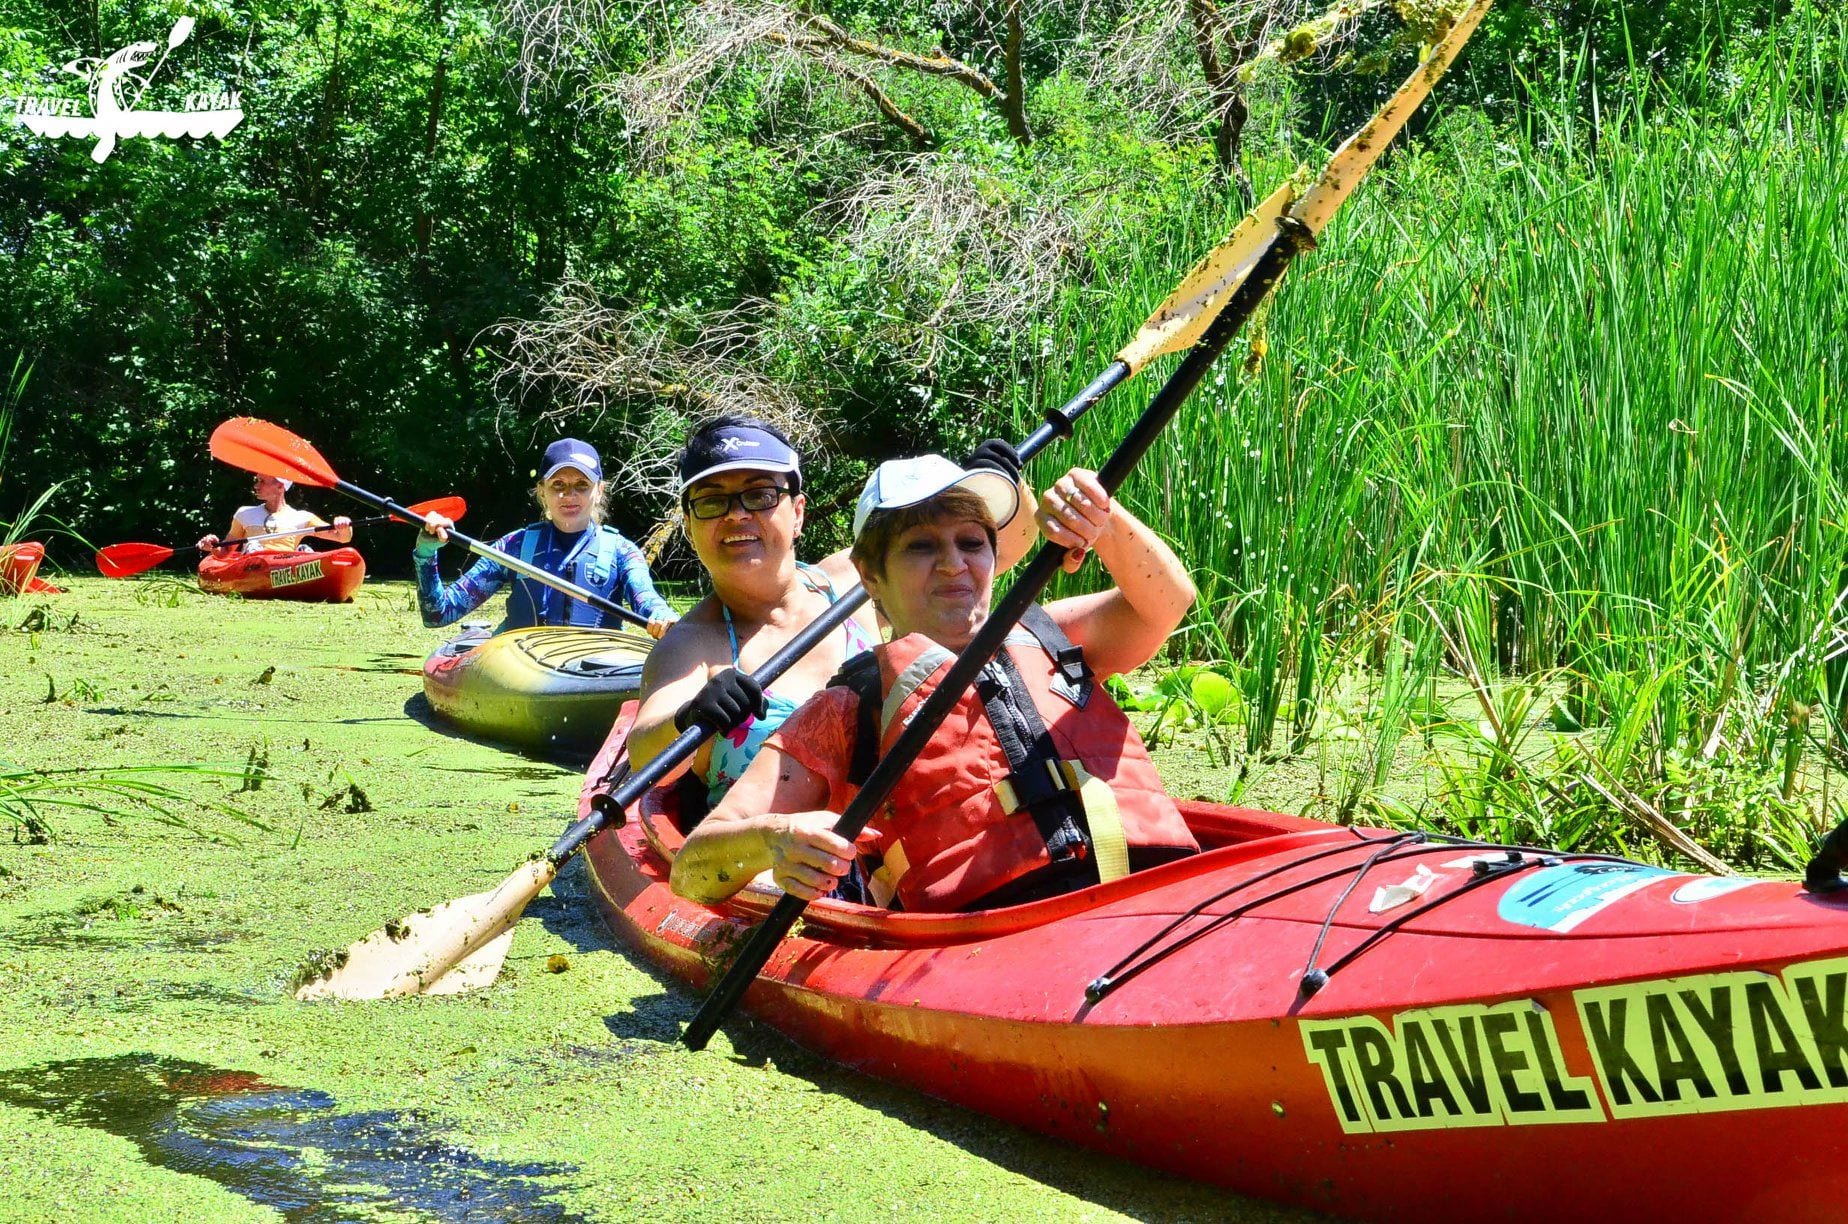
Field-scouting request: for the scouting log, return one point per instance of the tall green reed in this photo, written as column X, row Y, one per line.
column 13, row 530
column 1573, row 387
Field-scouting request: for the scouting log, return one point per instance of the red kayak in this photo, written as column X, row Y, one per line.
column 314, row 577
column 1490, row 1033
column 19, row 568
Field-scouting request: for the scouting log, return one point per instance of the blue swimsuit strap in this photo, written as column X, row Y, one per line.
column 542, row 607
column 809, row 573
column 777, row 707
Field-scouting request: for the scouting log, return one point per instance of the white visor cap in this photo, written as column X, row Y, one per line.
column 906, row 482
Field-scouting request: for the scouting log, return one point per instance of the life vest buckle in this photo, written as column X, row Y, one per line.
column 1030, row 787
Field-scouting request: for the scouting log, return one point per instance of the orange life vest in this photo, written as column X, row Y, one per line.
column 965, row 821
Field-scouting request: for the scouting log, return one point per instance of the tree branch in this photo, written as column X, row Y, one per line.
column 930, row 65
column 1225, row 93
column 1014, row 102
column 911, row 127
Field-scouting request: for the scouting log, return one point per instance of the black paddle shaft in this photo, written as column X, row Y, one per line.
column 608, row 805
column 1292, row 236
column 533, row 572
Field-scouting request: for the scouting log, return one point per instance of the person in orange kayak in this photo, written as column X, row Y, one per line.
column 1035, row 784
column 743, row 509
column 572, row 542
column 741, row 495
column 274, row 513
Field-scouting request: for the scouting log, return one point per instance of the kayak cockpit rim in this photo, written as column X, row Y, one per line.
column 1225, row 838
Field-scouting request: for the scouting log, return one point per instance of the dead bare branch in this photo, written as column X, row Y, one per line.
column 931, row 65
column 964, row 247
column 582, row 355
column 557, row 36
column 720, row 38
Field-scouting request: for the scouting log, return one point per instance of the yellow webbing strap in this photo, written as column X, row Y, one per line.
column 883, row 883
column 1108, row 840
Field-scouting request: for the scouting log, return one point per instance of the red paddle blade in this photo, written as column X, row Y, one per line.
column 451, row 508
column 127, row 560
column 270, row 450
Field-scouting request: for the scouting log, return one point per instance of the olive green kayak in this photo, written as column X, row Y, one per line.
column 550, row 690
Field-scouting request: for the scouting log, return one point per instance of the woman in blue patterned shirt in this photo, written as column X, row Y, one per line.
column 572, row 542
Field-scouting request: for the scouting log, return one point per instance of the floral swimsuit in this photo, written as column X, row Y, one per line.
column 734, row 750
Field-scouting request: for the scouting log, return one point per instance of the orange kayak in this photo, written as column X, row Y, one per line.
column 1388, row 1026
column 313, row 577
column 19, row 568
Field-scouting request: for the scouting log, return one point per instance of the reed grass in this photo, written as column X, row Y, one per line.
column 1554, row 409
column 29, row 798
column 14, row 530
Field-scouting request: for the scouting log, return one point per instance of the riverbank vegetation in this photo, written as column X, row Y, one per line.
column 1556, row 420
column 1531, row 474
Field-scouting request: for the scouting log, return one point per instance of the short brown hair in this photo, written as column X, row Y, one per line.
column 883, row 526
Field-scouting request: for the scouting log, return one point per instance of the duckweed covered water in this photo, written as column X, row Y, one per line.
column 153, row 1065
column 288, row 1149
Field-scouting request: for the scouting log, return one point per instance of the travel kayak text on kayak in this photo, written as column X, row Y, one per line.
column 1675, row 1046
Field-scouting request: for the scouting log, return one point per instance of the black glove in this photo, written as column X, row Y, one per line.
column 998, row 455
column 726, row 701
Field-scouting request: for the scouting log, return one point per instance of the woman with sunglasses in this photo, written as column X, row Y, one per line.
column 741, row 497
column 741, row 493
column 572, row 542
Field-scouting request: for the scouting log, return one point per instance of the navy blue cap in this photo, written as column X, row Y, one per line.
column 572, row 453
column 737, row 448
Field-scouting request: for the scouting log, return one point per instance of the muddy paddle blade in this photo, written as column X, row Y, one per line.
column 1181, row 320
column 1358, row 152
column 270, row 450
column 460, row 945
column 127, row 560
column 451, row 508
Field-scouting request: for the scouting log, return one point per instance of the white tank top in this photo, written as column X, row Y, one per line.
column 258, row 521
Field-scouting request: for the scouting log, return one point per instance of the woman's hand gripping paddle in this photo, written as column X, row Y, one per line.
column 271, row 450
column 1295, row 232
column 127, row 560
column 460, row 944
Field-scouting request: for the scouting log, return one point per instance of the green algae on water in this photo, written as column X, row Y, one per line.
column 579, row 1071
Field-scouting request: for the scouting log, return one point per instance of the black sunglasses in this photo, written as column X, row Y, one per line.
column 718, row 505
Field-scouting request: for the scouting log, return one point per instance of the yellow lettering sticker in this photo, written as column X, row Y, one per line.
column 1718, row 1041
column 1721, row 1041
column 294, row 574
column 1442, row 1067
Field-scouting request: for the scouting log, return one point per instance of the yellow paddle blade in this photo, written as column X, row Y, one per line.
column 460, row 945
column 1204, row 291
column 1181, row 320
column 1359, row 151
